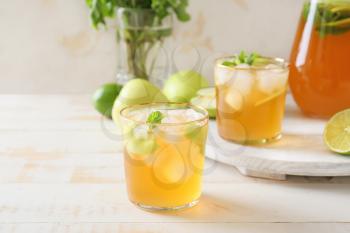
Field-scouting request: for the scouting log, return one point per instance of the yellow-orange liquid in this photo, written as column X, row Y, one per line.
column 321, row 82
column 169, row 177
column 259, row 119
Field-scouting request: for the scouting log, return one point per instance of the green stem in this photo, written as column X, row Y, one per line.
column 137, row 57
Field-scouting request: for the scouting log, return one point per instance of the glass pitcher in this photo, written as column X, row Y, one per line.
column 320, row 58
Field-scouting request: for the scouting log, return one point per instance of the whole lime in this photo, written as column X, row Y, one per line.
column 183, row 86
column 104, row 97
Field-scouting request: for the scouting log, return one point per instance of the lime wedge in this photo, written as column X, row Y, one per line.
column 337, row 133
column 270, row 97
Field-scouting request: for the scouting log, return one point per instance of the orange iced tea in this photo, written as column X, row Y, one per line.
column 164, row 160
column 251, row 100
column 320, row 71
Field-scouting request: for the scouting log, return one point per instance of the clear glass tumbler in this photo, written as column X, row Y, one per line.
column 164, row 161
column 251, row 100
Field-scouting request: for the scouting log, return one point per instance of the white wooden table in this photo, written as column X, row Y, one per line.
column 61, row 171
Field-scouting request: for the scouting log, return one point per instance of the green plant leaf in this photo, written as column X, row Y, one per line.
column 102, row 9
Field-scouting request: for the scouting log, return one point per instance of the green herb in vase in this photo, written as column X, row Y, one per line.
column 142, row 27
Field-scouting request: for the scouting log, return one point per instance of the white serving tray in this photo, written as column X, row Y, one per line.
column 300, row 152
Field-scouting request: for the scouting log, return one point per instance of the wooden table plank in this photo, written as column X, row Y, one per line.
column 51, row 112
column 13, row 142
column 60, row 171
column 221, row 203
column 175, row 228
column 103, row 168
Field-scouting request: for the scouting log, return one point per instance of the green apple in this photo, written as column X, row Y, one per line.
column 136, row 91
column 183, row 86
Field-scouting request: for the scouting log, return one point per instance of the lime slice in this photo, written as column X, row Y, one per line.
column 139, row 142
column 207, row 92
column 140, row 148
column 197, row 134
column 270, row 97
column 209, row 103
column 337, row 133
column 261, row 62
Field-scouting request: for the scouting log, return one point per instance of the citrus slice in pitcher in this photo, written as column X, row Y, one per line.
column 270, row 98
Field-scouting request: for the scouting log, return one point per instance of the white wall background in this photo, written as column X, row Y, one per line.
column 48, row 46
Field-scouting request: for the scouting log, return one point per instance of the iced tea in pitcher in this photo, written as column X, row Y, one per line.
column 320, row 65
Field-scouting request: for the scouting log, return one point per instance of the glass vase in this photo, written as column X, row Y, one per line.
column 140, row 36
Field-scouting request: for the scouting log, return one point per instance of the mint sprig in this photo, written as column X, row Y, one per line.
column 155, row 118
column 242, row 58
column 331, row 17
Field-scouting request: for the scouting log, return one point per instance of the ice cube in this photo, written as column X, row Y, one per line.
column 234, row 99
column 170, row 133
column 223, row 75
column 173, row 116
column 173, row 127
column 169, row 165
column 139, row 115
column 243, row 79
column 272, row 79
column 181, row 116
column 141, row 131
column 192, row 115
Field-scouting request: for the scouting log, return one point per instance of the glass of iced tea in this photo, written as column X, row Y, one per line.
column 164, row 147
column 250, row 98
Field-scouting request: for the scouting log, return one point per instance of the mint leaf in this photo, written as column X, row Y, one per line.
column 229, row 64
column 242, row 58
column 331, row 17
column 155, row 117
column 251, row 58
